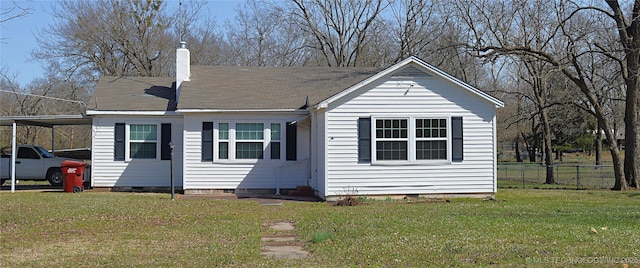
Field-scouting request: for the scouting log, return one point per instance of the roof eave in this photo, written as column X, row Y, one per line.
column 192, row 110
column 101, row 112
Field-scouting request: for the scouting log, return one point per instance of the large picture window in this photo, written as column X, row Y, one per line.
column 249, row 140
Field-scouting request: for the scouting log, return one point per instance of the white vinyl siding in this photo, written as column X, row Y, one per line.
column 241, row 174
column 106, row 172
column 421, row 98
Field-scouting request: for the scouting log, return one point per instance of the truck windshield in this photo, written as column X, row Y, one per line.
column 44, row 152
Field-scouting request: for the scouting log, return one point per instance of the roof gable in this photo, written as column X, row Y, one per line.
column 412, row 67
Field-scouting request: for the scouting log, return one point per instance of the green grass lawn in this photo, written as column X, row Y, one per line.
column 521, row 227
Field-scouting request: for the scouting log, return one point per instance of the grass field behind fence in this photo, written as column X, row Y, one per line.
column 520, row 227
column 575, row 176
column 576, row 171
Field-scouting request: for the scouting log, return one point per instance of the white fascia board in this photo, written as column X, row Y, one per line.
column 459, row 82
column 290, row 111
column 92, row 112
column 324, row 104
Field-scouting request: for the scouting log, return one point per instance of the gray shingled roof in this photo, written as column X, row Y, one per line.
column 134, row 94
column 227, row 88
column 238, row 88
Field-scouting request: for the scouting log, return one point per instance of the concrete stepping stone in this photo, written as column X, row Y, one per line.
column 281, row 226
column 282, row 252
column 282, row 246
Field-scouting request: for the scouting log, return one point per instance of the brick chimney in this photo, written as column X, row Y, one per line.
column 183, row 67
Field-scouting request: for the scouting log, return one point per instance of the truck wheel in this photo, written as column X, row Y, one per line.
column 54, row 176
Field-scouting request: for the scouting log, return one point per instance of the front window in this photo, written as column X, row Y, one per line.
column 223, row 144
column 410, row 139
column 275, row 140
column 143, row 140
column 249, row 140
column 391, row 139
column 431, row 139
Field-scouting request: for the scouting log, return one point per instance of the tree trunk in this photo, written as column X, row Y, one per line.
column 518, row 156
column 618, row 167
column 532, row 154
column 629, row 36
column 632, row 135
column 598, row 142
column 548, row 159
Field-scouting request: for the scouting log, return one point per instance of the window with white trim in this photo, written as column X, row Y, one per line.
column 275, row 140
column 223, row 141
column 391, row 139
column 143, row 141
column 249, row 141
column 410, row 139
column 431, row 139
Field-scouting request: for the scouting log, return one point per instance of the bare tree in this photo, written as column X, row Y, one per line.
column 338, row 30
column 107, row 37
column 568, row 35
column 13, row 11
column 262, row 35
column 628, row 27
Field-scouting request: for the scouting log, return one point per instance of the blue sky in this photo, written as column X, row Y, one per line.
column 18, row 34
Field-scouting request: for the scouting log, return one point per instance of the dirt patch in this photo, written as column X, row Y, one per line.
column 284, row 238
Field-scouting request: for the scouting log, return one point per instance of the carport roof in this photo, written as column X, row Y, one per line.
column 46, row 120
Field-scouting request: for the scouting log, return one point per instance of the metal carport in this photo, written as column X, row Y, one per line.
column 48, row 121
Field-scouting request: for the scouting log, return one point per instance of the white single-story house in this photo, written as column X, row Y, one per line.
column 409, row 129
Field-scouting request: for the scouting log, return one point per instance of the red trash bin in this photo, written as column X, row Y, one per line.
column 72, row 176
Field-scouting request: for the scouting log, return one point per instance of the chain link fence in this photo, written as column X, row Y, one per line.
column 567, row 175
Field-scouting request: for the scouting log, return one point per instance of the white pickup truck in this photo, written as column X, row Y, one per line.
column 33, row 163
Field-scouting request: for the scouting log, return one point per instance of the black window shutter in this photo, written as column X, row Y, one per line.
column 364, row 140
column 456, row 139
column 207, row 141
column 119, row 142
column 165, row 138
column 292, row 146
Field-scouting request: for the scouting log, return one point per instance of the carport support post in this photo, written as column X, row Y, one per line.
column 53, row 141
column 14, row 152
column 171, row 145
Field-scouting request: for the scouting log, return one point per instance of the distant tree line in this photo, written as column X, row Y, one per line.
column 567, row 70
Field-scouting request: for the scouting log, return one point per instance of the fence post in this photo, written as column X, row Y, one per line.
column 602, row 172
column 506, row 171
column 522, row 174
column 577, row 177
